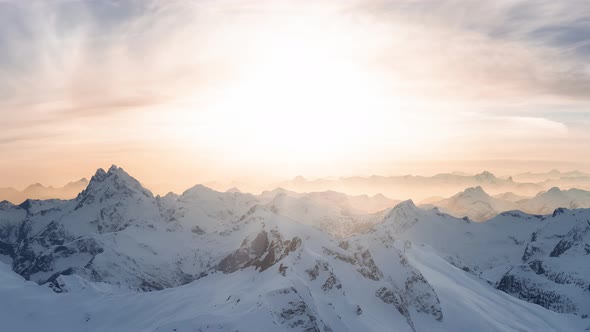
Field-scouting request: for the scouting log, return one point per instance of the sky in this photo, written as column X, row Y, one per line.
column 185, row 92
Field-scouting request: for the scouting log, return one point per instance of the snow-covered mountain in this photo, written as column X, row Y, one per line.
column 474, row 203
column 540, row 259
column 416, row 187
column 546, row 202
column 339, row 214
column 234, row 261
column 250, row 300
column 510, row 197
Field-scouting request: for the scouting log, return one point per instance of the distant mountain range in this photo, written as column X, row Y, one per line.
column 549, row 176
column 442, row 185
column 286, row 261
column 39, row 191
column 478, row 205
column 419, row 188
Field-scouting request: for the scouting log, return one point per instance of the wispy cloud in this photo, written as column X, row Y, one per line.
column 494, row 49
column 86, row 77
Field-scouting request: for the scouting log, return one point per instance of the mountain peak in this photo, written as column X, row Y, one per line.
column 82, row 180
column 99, row 176
column 554, row 190
column 6, row 205
column 197, row 191
column 486, row 177
column 475, row 191
column 114, row 182
column 34, row 186
column 407, row 204
column 401, row 217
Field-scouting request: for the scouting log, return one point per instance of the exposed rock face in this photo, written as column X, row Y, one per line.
column 549, row 275
column 261, row 253
column 518, row 284
column 323, row 271
column 296, row 314
column 574, row 240
column 390, row 297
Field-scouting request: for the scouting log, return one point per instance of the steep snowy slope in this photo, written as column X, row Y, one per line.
column 263, row 275
column 270, row 301
column 472, row 305
column 510, row 251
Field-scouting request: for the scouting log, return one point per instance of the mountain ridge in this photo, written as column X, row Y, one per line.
column 120, row 236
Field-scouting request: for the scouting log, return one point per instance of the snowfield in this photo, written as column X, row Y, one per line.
column 116, row 258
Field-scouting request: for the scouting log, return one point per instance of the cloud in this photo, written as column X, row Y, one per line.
column 85, row 53
column 496, row 49
column 75, row 58
column 77, row 77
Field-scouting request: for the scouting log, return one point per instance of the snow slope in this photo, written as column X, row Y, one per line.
column 253, row 301
column 473, row 305
column 541, row 259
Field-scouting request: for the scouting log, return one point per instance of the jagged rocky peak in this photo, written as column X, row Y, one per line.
column 99, row 176
column 577, row 240
column 4, row 205
column 402, row 216
column 403, row 209
column 114, row 182
column 264, row 251
column 170, row 195
column 405, row 205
